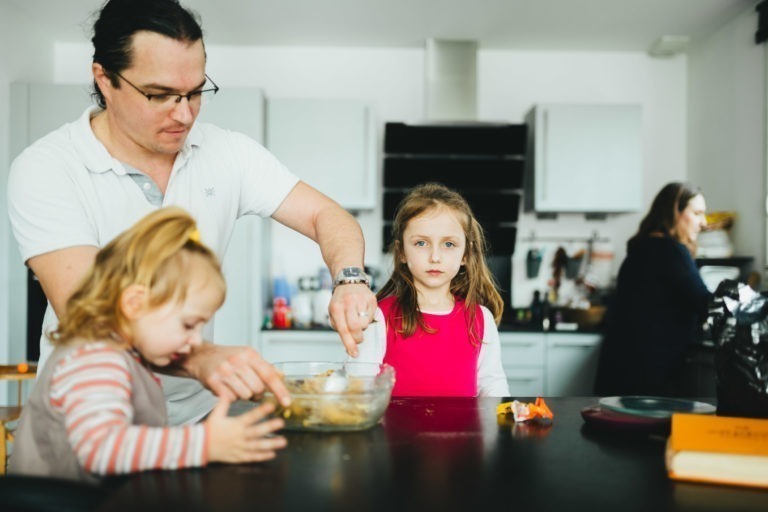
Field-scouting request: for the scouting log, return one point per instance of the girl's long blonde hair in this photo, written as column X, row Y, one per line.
column 474, row 283
column 155, row 252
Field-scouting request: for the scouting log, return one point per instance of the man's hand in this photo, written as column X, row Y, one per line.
column 351, row 310
column 235, row 372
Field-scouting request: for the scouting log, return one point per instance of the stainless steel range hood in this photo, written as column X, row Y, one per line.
column 451, row 80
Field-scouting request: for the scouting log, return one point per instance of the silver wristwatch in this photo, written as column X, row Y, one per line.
column 351, row 275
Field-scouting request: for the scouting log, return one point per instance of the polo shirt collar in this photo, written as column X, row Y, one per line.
column 96, row 157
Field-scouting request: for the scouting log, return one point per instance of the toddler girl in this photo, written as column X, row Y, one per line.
column 96, row 408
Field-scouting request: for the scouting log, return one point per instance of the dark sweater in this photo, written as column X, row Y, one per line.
column 655, row 314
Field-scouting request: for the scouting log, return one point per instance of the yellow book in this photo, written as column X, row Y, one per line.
column 718, row 449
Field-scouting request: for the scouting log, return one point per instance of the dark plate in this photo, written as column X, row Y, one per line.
column 597, row 417
column 654, row 406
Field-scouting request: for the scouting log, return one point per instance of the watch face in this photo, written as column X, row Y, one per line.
column 351, row 272
column 350, row 275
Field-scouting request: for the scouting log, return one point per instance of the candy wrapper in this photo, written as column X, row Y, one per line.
column 526, row 411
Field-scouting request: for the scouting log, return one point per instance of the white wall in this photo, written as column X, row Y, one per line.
column 726, row 128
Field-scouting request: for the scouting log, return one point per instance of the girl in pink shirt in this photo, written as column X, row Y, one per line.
column 96, row 407
column 436, row 323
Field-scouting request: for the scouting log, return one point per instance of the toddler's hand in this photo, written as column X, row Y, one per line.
column 243, row 438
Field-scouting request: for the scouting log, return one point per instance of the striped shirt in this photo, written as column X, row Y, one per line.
column 92, row 388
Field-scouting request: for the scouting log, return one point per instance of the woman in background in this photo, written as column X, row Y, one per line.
column 660, row 300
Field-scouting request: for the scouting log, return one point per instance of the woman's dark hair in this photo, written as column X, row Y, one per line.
column 119, row 20
column 668, row 204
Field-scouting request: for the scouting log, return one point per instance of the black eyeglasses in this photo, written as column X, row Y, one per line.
column 167, row 99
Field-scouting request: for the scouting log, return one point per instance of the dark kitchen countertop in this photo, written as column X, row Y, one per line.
column 438, row 453
column 504, row 327
column 312, row 328
column 513, row 327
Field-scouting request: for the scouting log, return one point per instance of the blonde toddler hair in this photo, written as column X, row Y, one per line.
column 155, row 252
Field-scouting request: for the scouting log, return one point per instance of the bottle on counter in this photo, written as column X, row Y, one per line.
column 545, row 312
column 536, row 308
column 281, row 313
column 281, row 288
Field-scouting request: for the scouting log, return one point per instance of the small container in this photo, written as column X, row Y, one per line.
column 301, row 309
column 533, row 263
column 320, row 302
column 573, row 266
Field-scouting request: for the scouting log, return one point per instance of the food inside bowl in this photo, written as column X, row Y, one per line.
column 358, row 406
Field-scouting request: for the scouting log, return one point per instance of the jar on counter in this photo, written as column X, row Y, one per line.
column 320, row 303
column 301, row 308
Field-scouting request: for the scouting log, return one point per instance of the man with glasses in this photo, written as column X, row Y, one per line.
column 138, row 149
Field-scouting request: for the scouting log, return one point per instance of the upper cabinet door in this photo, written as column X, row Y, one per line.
column 240, row 109
column 584, row 158
column 37, row 109
column 246, row 262
column 328, row 144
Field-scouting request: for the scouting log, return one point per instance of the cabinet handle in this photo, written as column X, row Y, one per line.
column 520, row 344
column 543, row 188
column 577, row 344
column 521, row 379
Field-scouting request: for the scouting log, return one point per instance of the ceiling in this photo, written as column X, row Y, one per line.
column 570, row 25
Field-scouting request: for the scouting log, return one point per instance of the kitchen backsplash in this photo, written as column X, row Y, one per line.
column 536, row 260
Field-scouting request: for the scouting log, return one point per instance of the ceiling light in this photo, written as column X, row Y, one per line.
column 667, row 46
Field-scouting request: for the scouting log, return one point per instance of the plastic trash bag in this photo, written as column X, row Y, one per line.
column 738, row 319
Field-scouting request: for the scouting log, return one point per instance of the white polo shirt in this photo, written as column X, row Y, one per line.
column 66, row 190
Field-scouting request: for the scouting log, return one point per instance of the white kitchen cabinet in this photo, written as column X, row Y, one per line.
column 549, row 363
column 246, row 262
column 35, row 110
column 522, row 355
column 328, row 144
column 584, row 158
column 277, row 346
column 245, row 268
column 571, row 363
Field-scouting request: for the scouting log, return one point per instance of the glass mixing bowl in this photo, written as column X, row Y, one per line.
column 334, row 396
